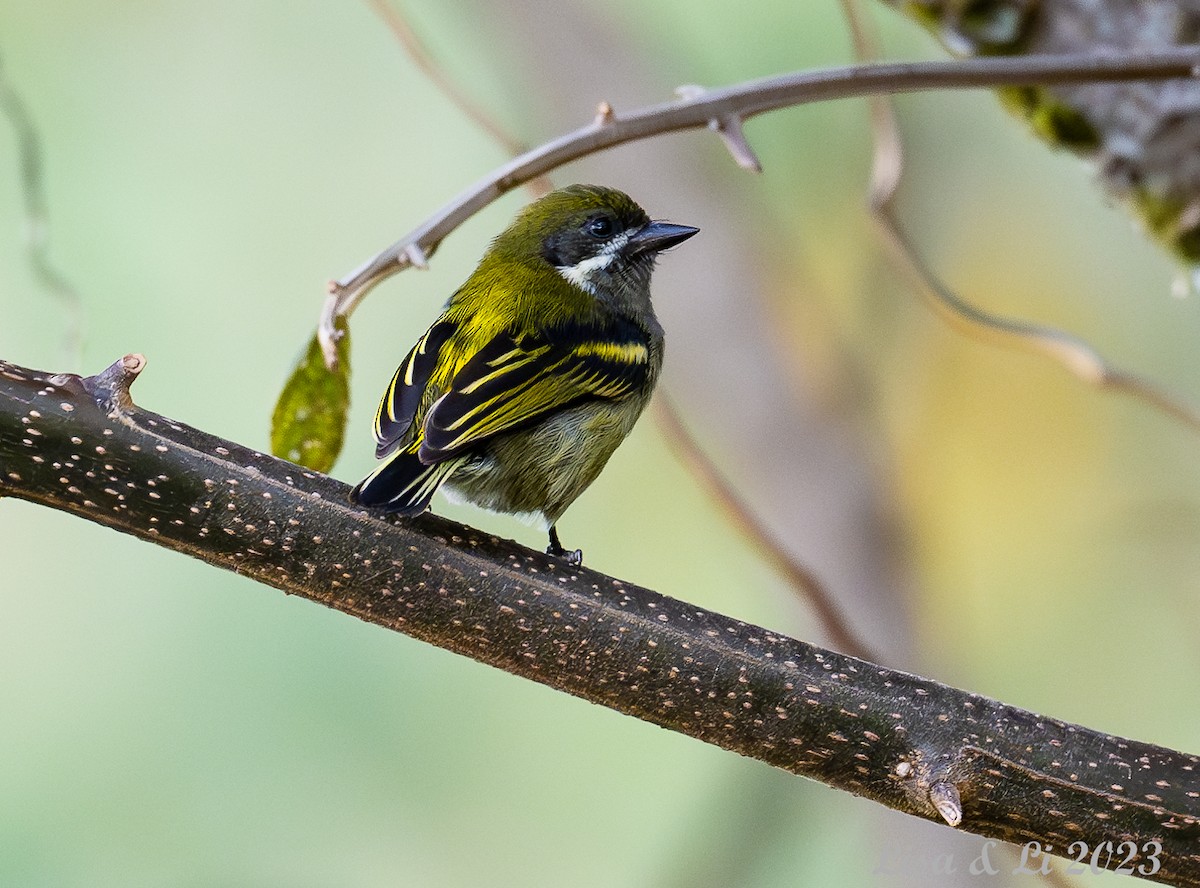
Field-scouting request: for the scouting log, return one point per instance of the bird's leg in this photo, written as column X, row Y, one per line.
column 556, row 549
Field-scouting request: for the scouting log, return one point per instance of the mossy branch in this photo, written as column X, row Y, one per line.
column 81, row 445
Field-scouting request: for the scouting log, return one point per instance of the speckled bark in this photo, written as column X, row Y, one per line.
column 82, row 446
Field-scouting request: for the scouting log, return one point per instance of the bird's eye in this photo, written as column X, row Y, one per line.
column 601, row 226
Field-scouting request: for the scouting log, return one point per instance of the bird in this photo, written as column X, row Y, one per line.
column 537, row 368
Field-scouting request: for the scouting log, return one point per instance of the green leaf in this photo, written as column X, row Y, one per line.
column 309, row 423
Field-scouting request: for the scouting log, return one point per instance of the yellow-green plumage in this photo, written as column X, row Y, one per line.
column 537, row 368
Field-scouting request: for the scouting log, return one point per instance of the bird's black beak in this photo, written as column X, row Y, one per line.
column 658, row 236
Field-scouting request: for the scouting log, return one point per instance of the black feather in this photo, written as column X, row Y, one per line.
column 403, row 485
column 402, row 399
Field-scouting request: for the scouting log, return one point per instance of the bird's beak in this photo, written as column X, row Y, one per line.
column 658, row 236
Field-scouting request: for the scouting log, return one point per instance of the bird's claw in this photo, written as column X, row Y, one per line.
column 573, row 558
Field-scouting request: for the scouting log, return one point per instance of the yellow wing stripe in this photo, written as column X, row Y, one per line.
column 403, row 379
column 388, row 399
column 527, row 380
column 627, row 352
column 529, row 357
column 509, row 395
column 515, row 408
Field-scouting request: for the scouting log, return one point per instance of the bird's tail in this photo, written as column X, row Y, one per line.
column 403, row 484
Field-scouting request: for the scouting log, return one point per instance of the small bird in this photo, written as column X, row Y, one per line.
column 537, row 368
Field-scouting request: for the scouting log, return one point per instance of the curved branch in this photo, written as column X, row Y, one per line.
column 419, row 55
column 407, row 37
column 743, row 518
column 718, row 108
column 1077, row 356
column 83, row 446
column 1073, row 353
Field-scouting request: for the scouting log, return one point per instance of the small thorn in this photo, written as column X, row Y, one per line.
column 945, row 798
column 605, row 114
column 731, row 133
column 416, row 256
column 728, row 127
column 110, row 387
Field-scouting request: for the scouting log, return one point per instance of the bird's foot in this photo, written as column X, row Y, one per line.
column 574, row 558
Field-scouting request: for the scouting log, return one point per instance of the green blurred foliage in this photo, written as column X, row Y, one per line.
column 212, row 165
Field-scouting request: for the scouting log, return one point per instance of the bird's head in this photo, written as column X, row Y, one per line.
column 597, row 239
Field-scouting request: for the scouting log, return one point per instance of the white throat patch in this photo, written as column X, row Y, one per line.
column 580, row 274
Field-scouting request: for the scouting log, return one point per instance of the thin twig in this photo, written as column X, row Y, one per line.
column 407, row 37
column 419, row 55
column 740, row 101
column 1075, row 354
column 33, row 194
column 887, row 159
column 688, row 451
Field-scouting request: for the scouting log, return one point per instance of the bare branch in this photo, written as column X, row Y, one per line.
column 730, row 129
column 742, row 516
column 408, row 39
column 1140, row 137
column 1073, row 353
column 741, row 102
column 887, row 169
column 83, row 446
column 887, row 159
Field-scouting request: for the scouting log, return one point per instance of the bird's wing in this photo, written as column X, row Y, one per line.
column 515, row 380
column 402, row 399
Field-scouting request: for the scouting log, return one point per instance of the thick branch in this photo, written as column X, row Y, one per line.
column 82, row 446
column 721, row 109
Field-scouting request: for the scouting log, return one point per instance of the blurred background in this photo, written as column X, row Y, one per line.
column 981, row 517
